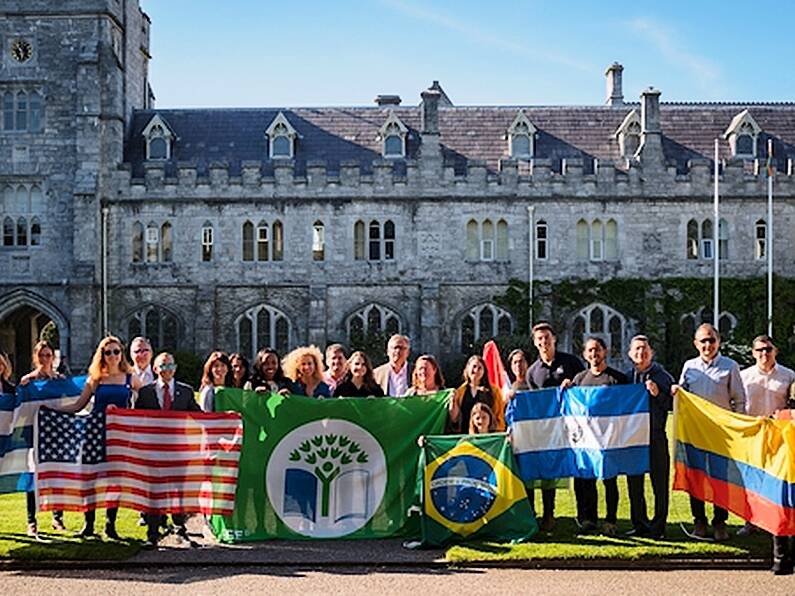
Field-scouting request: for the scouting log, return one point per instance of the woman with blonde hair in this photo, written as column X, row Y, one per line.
column 427, row 377
column 475, row 389
column 43, row 357
column 217, row 372
column 111, row 383
column 359, row 380
column 304, row 366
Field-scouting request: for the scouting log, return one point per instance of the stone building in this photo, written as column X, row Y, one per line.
column 240, row 228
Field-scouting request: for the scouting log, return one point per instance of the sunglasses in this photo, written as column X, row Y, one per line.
column 766, row 349
column 168, row 366
column 707, row 340
column 113, row 352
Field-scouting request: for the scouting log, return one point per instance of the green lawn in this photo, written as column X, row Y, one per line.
column 15, row 544
column 562, row 543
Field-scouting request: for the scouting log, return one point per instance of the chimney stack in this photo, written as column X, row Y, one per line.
column 615, row 94
column 651, row 151
column 387, row 100
column 430, row 111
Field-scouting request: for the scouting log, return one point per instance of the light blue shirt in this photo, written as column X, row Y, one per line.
column 717, row 381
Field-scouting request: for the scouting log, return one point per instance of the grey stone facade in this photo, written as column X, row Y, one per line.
column 90, row 62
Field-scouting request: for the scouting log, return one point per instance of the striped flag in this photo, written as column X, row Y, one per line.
column 17, row 413
column 742, row 463
column 582, row 432
column 148, row 460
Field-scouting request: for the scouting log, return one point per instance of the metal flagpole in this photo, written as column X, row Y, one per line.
column 531, row 264
column 769, row 239
column 716, row 248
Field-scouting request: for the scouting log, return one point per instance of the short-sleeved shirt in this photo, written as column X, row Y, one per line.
column 609, row 376
column 766, row 392
column 563, row 366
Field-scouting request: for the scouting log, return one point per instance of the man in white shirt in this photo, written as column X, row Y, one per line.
column 141, row 357
column 394, row 377
column 768, row 387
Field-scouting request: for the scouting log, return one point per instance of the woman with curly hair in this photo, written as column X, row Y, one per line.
column 427, row 377
column 241, row 373
column 217, row 373
column 359, row 380
column 475, row 389
column 111, row 383
column 304, row 366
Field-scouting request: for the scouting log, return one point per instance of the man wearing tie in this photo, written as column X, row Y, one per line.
column 166, row 394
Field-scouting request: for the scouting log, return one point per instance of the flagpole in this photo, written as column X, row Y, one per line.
column 531, row 264
column 716, row 249
column 769, row 237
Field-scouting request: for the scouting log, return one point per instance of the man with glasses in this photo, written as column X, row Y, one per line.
column 394, row 377
column 166, row 394
column 716, row 378
column 768, row 388
column 141, row 357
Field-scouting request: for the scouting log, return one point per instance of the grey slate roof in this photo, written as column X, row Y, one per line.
column 333, row 135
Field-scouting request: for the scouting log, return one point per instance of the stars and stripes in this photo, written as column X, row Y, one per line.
column 148, row 460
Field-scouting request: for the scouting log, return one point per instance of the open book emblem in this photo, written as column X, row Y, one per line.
column 326, row 478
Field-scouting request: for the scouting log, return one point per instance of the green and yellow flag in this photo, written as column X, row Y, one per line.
column 326, row 468
column 469, row 489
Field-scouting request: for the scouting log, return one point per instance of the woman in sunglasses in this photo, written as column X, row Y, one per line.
column 110, row 382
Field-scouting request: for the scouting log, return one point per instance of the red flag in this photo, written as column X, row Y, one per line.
column 498, row 376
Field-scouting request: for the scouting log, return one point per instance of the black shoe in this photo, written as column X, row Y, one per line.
column 782, row 567
column 86, row 532
column 110, row 532
column 151, row 543
column 586, row 527
column 637, row 531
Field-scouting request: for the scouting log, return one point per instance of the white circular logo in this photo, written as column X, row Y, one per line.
column 327, row 478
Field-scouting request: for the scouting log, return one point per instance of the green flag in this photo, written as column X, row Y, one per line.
column 470, row 490
column 333, row 468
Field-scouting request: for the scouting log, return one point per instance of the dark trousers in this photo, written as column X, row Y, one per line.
column 548, row 501
column 153, row 523
column 30, row 502
column 697, row 508
column 588, row 502
column 783, row 549
column 659, row 466
column 110, row 517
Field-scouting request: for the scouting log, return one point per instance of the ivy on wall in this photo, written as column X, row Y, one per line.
column 656, row 308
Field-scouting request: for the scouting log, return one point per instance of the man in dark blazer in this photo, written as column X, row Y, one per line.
column 166, row 394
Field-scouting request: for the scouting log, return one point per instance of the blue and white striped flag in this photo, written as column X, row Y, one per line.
column 17, row 415
column 582, row 432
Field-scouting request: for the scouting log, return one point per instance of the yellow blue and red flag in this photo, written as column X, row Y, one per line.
column 742, row 463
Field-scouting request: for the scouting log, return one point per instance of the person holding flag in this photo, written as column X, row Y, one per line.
column 475, row 389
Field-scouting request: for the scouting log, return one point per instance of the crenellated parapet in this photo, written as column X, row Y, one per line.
column 537, row 178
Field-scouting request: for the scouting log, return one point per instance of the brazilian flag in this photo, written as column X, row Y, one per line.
column 469, row 489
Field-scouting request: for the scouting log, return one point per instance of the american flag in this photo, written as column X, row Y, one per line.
column 148, row 460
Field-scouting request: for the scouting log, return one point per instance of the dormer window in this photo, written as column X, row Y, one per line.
column 742, row 135
column 393, row 135
column 281, row 138
column 159, row 138
column 521, row 137
column 628, row 135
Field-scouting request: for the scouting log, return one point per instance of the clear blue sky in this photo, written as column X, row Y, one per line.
column 253, row 53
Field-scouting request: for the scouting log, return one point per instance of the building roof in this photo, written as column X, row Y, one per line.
column 341, row 134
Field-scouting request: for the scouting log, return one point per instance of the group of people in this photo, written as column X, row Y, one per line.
column 476, row 405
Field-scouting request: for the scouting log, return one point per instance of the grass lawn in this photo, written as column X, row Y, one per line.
column 562, row 543
column 15, row 544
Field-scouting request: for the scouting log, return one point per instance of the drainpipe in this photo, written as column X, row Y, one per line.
column 531, row 262
column 104, row 261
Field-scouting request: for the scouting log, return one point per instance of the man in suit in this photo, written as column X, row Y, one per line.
column 394, row 377
column 166, row 394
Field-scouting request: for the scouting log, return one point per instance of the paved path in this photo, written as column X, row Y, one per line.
column 371, row 580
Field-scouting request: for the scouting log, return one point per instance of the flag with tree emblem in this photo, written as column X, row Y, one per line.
column 469, row 489
column 336, row 468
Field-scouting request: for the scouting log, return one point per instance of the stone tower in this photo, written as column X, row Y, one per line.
column 71, row 73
